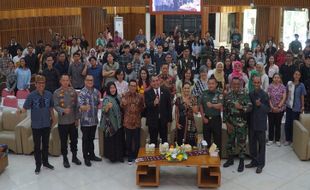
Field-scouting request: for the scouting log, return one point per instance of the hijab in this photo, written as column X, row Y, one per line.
column 219, row 76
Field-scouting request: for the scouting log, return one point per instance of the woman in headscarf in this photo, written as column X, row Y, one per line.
column 237, row 72
column 219, row 75
column 111, row 124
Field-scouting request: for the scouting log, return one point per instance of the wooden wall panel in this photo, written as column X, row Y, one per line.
column 39, row 13
column 275, row 3
column 32, row 4
column 94, row 20
column 268, row 23
column 36, row 28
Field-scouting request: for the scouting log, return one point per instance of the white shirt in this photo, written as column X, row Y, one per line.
column 273, row 70
column 157, row 90
column 17, row 59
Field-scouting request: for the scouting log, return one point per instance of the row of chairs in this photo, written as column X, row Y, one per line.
column 10, row 100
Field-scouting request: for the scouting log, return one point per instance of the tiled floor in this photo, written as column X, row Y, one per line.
column 283, row 171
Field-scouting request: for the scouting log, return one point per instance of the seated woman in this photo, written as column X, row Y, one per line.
column 185, row 108
column 111, row 124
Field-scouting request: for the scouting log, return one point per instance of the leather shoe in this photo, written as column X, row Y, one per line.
column 95, row 158
column 87, row 162
column 49, row 166
column 76, row 160
column 37, row 170
column 259, row 170
column 250, row 165
column 241, row 165
column 66, row 163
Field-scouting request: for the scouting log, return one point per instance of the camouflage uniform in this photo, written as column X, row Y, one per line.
column 237, row 118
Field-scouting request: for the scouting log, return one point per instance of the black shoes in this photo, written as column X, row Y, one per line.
column 241, row 165
column 250, row 165
column 76, row 160
column 95, row 158
column 229, row 162
column 49, row 166
column 87, row 162
column 37, row 170
column 259, row 170
column 66, row 162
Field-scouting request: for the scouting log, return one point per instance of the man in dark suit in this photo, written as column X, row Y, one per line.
column 261, row 108
column 158, row 110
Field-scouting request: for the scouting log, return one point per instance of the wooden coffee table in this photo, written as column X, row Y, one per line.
column 208, row 170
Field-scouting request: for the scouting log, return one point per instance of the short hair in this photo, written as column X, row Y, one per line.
column 76, row 53
column 92, row 57
column 186, row 48
column 48, row 45
column 30, row 46
column 49, row 55
column 165, row 64
column 40, row 78
column 64, row 75
column 126, row 46
column 109, row 45
column 146, row 55
column 133, row 80
column 62, row 52
column 212, row 78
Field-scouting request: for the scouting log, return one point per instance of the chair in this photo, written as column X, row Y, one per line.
column 6, row 93
column 22, row 94
column 27, row 139
column 10, row 132
column 301, row 137
column 10, row 101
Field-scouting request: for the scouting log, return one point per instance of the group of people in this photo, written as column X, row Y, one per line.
column 170, row 80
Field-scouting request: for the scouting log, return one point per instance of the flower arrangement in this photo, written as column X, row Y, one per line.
column 176, row 154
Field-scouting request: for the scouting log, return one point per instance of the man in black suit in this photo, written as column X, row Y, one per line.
column 158, row 110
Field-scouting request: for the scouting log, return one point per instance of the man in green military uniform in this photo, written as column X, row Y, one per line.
column 236, row 104
column 211, row 104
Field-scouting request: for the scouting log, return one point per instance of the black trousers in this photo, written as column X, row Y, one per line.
column 41, row 136
column 258, row 155
column 213, row 129
column 161, row 128
column 132, row 143
column 290, row 117
column 274, row 130
column 65, row 131
column 88, row 141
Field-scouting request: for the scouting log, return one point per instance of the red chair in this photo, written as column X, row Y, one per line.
column 6, row 93
column 10, row 101
column 22, row 94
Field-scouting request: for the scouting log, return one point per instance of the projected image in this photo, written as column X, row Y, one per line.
column 176, row 5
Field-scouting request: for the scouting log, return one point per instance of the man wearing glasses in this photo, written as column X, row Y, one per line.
column 88, row 101
column 41, row 104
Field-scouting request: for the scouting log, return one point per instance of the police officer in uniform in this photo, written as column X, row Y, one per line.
column 65, row 102
column 211, row 104
column 236, row 104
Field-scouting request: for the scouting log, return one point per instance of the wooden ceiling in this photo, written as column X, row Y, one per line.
column 34, row 4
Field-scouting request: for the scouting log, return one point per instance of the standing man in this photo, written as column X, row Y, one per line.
column 76, row 72
column 288, row 68
column 32, row 60
column 51, row 75
column 211, row 104
column 166, row 80
column 295, row 46
column 158, row 111
column 159, row 58
column 184, row 63
column 261, row 108
column 65, row 100
column 236, row 39
column 132, row 104
column 41, row 104
column 88, row 102
column 236, row 104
